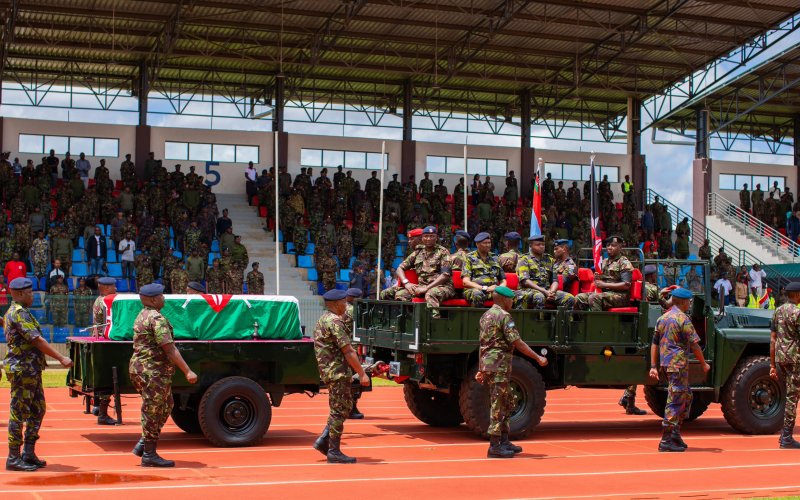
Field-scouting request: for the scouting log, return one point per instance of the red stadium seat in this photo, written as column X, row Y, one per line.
column 411, row 276
column 636, row 293
column 458, row 284
column 586, row 280
column 574, row 287
column 262, row 211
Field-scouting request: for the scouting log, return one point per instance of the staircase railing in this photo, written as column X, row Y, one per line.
column 700, row 232
column 753, row 227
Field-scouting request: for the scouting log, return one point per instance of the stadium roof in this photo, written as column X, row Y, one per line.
column 575, row 57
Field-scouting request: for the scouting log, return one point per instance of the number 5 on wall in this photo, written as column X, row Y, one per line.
column 211, row 172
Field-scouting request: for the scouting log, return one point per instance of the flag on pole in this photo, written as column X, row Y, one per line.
column 536, row 208
column 597, row 243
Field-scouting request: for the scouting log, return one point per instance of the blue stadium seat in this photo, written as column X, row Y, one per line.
column 46, row 334
column 305, row 261
column 244, row 288
column 76, row 332
column 35, row 285
column 107, row 230
column 77, row 255
column 111, row 256
column 39, row 314
column 312, row 275
column 215, row 246
column 122, row 286
column 114, row 269
column 290, row 248
column 280, row 235
column 37, row 300
column 342, row 286
column 60, row 334
column 211, row 258
column 352, row 261
column 692, row 257
column 80, row 242
column 71, row 316
column 344, row 275
column 171, row 232
column 177, row 254
column 399, row 250
column 402, row 238
column 42, row 283
column 80, row 269
column 310, row 247
column 396, row 262
column 71, row 284
column 320, row 289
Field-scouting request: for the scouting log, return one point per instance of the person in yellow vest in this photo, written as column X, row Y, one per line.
column 627, row 188
column 752, row 300
column 767, row 301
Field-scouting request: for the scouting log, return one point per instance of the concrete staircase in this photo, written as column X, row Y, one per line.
column 735, row 236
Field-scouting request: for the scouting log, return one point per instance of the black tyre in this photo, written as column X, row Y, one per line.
column 234, row 411
column 528, row 386
column 657, row 401
column 432, row 407
column 186, row 420
column 752, row 402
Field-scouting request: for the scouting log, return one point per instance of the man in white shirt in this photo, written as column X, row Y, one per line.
column 723, row 287
column 55, row 273
column 757, row 277
column 83, row 166
column 775, row 189
column 127, row 248
column 250, row 176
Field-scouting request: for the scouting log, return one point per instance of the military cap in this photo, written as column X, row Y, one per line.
column 794, row 286
column 256, row 264
column 650, row 269
column 20, row 284
column 482, row 236
column 106, row 281
column 198, row 287
column 429, row 230
column 415, row 232
column 615, row 238
column 354, row 292
column 536, row 237
column 334, row 294
column 513, row 236
column 681, row 293
column 504, row 291
column 462, row 233
column 561, row 242
column 151, row 290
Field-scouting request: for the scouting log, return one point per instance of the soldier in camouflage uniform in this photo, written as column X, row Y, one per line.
column 40, row 255
column 215, row 278
column 83, row 303
column 785, row 359
column 191, row 238
column 414, row 239
column 482, row 273
column 232, row 274
column 179, row 279
column 344, row 246
column 151, row 368
column 326, row 268
column 62, row 250
column 508, row 259
column 144, row 270
column 538, row 283
column 431, row 263
column 106, row 286
column 498, row 339
column 58, row 300
column 24, row 362
column 674, row 337
column 458, row 257
column 614, row 283
column 300, row 234
column 255, row 281
column 336, row 358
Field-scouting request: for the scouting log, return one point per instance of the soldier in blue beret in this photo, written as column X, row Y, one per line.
column 458, row 257
column 195, row 288
column 106, row 286
column 508, row 259
column 24, row 363
column 674, row 337
column 482, row 272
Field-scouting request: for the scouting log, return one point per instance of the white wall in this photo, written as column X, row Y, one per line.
column 761, row 169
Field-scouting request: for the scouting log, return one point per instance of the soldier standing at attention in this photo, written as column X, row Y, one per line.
column 336, row 357
column 508, row 259
column 24, row 364
column 613, row 284
column 151, row 368
column 784, row 354
column 255, row 281
column 348, row 318
column 673, row 339
column 106, row 286
column 498, row 339
column 482, row 272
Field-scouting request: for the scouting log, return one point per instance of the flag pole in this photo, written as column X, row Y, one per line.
column 277, row 222
column 380, row 225
column 465, row 189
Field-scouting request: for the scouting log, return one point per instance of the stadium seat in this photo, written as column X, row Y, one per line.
column 77, row 255
column 71, row 284
column 342, row 286
column 79, row 269
column 2, row 335
column 290, row 248
column 215, row 246
column 80, row 242
column 399, row 250
column 114, row 269
column 122, row 286
column 262, row 211
column 344, row 275
column 574, row 287
column 42, row 282
column 305, row 261
column 397, row 261
column 512, row 281
column 60, row 334
column 312, row 275
column 37, row 300
column 39, row 314
column 586, row 280
column 46, row 333
column 244, row 288
column 402, row 238
column 636, row 293
column 458, row 284
column 310, row 247
column 320, row 289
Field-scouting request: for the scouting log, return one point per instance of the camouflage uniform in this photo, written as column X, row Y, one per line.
column 330, row 337
column 483, row 272
column 508, row 260
column 614, row 271
column 674, row 337
column 255, row 283
column 40, row 251
column 144, row 270
column 497, row 336
column 24, row 364
column 458, row 258
column 83, row 305
column 540, row 271
column 151, row 370
column 786, row 325
column 59, row 303
column 179, row 280
column 428, row 266
column 326, row 268
column 215, row 280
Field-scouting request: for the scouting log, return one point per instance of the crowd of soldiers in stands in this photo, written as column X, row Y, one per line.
column 776, row 208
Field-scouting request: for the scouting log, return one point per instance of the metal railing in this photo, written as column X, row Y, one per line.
column 754, row 227
column 700, row 232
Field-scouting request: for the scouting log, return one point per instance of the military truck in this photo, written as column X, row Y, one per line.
column 436, row 359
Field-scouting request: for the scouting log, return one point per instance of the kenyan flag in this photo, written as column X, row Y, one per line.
column 211, row 317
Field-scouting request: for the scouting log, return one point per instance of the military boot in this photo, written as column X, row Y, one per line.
column 335, row 455
column 507, row 444
column 322, row 444
column 677, row 439
column 667, row 443
column 29, row 455
column 151, row 459
column 102, row 415
column 631, row 409
column 354, row 413
column 14, row 461
column 138, row 450
column 786, row 440
column 496, row 449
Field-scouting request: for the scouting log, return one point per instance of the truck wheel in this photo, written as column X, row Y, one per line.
column 432, row 407
column 657, row 401
column 528, row 387
column 187, row 419
column 752, row 402
column 234, row 411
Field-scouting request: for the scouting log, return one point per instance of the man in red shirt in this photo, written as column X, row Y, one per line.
column 15, row 268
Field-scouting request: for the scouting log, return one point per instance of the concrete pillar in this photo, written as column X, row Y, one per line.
column 701, row 173
column 527, row 159
column 277, row 114
column 796, row 135
column 142, row 145
column 636, row 159
column 408, row 155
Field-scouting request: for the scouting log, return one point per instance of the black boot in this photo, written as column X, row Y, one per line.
column 322, row 444
column 138, row 450
column 29, row 455
column 667, row 443
column 631, row 409
column 335, row 455
column 786, row 440
column 151, row 459
column 496, row 449
column 354, row 413
column 677, row 439
column 102, row 415
column 507, row 444
column 14, row 461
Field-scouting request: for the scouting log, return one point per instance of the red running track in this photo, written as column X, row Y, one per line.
column 585, row 447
